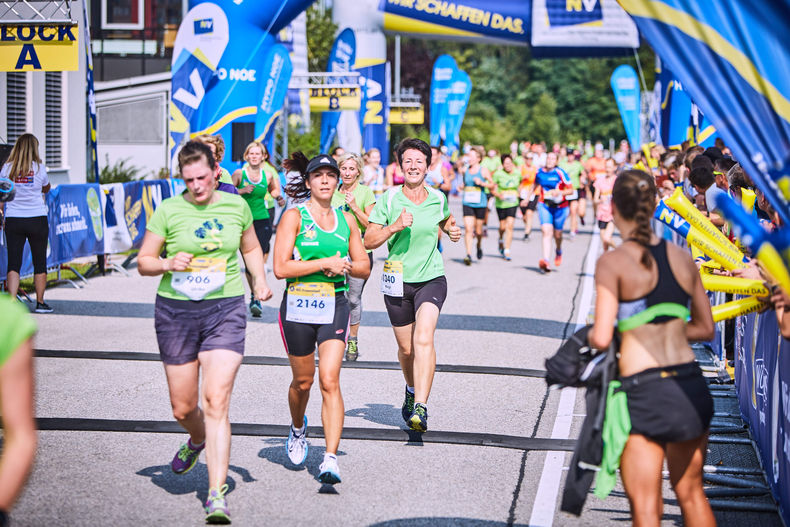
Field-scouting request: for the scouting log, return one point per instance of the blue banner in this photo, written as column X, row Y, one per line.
column 375, row 112
column 341, row 60
column 140, row 200
column 443, row 70
column 487, row 20
column 200, row 43
column 704, row 131
column 675, row 120
column 625, row 85
column 742, row 88
column 455, row 109
column 274, row 87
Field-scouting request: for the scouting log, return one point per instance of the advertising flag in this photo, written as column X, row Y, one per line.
column 276, row 71
column 455, row 109
column 94, row 162
column 200, row 43
column 443, row 70
column 590, row 26
column 341, row 60
column 727, row 55
column 625, row 85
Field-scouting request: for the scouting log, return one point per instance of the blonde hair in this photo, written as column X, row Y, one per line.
column 217, row 141
column 23, row 155
column 264, row 152
column 357, row 161
column 480, row 151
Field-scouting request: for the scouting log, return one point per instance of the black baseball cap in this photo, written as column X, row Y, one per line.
column 320, row 161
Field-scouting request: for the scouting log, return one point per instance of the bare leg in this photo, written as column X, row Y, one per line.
column 330, row 359
column 509, row 232
column 303, row 369
column 640, row 470
column 548, row 233
column 574, row 216
column 469, row 233
column 182, row 383
column 424, row 352
column 685, row 462
column 219, row 373
column 403, row 336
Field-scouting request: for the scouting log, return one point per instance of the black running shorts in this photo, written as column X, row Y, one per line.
column 301, row 339
column 479, row 213
column 403, row 310
column 509, row 212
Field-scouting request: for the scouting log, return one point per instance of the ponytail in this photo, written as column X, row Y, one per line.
column 297, row 187
column 634, row 195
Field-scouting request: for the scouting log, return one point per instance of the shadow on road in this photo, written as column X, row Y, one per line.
column 444, row 522
column 383, row 414
column 315, row 456
column 193, row 481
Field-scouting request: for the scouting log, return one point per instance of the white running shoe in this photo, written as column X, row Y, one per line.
column 330, row 473
column 297, row 446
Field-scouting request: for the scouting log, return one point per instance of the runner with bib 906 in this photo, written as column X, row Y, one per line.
column 199, row 315
column 316, row 246
column 413, row 281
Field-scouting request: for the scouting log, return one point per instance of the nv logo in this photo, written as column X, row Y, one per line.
column 574, row 12
column 204, row 26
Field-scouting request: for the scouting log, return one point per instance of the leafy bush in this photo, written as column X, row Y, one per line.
column 120, row 172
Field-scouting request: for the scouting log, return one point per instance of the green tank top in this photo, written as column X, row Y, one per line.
column 313, row 243
column 257, row 198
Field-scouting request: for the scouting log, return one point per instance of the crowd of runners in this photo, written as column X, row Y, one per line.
column 336, row 209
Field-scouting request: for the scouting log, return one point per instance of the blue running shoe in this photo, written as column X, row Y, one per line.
column 408, row 406
column 330, row 473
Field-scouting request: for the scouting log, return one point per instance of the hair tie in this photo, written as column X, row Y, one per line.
column 642, row 185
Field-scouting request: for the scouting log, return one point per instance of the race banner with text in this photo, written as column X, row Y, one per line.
column 581, row 24
column 341, row 60
column 39, row 46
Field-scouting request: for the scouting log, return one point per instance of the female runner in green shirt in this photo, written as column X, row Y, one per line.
column 316, row 246
column 199, row 314
column 507, row 180
column 408, row 218
column 358, row 199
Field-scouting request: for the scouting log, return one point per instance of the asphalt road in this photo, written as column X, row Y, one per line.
column 495, row 453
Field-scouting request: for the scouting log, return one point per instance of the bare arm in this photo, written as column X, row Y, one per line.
column 150, row 264
column 19, row 427
column 360, row 263
column 606, row 304
column 274, row 189
column 236, row 177
column 253, row 259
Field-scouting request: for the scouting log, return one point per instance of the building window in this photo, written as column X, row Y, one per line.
column 122, row 14
column 53, row 100
column 16, row 105
column 134, row 122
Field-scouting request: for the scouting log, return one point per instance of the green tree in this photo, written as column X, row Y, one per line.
column 320, row 37
column 543, row 124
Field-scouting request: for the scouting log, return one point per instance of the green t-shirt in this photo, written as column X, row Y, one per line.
column 17, row 326
column 313, row 243
column 271, row 175
column 491, row 164
column 574, row 171
column 415, row 246
column 364, row 197
column 257, row 198
column 212, row 231
column 508, row 183
column 224, row 176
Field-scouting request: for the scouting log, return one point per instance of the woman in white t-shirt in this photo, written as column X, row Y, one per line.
column 25, row 217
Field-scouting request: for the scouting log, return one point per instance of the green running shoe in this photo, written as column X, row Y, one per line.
column 408, row 406
column 217, row 512
column 352, row 351
column 419, row 418
column 186, row 457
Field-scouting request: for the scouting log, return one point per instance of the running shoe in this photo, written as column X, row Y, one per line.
column 217, row 512
column 581, row 219
column 526, row 236
column 255, row 308
column 296, row 446
column 419, row 418
column 186, row 457
column 352, row 351
column 544, row 265
column 42, row 307
column 329, row 472
column 501, row 247
column 572, row 235
column 468, row 260
column 558, row 258
column 479, row 253
column 408, row 406
column 506, row 254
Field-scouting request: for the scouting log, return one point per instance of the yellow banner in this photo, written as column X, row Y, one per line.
column 39, row 47
column 407, row 115
column 335, row 99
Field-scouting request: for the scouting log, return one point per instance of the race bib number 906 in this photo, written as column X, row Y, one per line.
column 311, row 302
column 202, row 277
